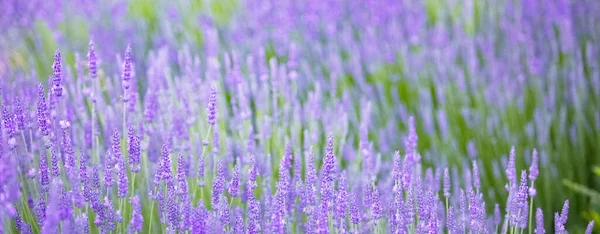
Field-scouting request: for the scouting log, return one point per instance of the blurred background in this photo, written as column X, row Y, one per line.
column 479, row 75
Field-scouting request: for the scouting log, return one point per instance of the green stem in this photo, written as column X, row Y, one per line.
column 202, row 154
column 530, row 211
column 151, row 221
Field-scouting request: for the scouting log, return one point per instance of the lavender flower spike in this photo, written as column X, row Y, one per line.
column 446, row 183
column 590, row 227
column 127, row 68
column 511, row 171
column 92, row 61
column 57, row 74
column 212, row 107
column 539, row 222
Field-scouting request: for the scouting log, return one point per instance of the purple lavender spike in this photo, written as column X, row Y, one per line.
column 127, row 69
column 533, row 172
column 218, row 184
column 234, row 184
column 92, row 61
column 134, row 150
column 57, row 74
column 19, row 118
column 354, row 209
column 42, row 111
column 172, row 206
column 253, row 173
column 55, row 159
column 253, row 215
column 311, row 171
column 200, row 179
column 44, row 178
column 9, row 127
column 539, row 222
column 329, row 162
column 451, row 221
column 182, row 188
column 238, row 221
column 341, row 199
column 165, row 165
column 559, row 227
column 589, row 228
column 511, row 171
column 476, row 180
column 137, row 219
column 446, row 183
column 212, row 107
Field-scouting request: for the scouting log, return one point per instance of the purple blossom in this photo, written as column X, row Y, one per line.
column 127, row 69
column 511, row 171
column 476, row 180
column 134, row 150
column 446, row 183
column 589, row 228
column 92, row 61
column 451, row 221
column 253, row 215
column 19, row 118
column 200, row 180
column 44, row 177
column 57, row 74
column 42, row 111
column 329, row 162
column 218, row 184
column 539, row 222
column 137, row 219
column 212, row 107
column 234, row 184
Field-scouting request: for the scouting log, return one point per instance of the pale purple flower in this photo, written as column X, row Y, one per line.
column 329, row 162
column 92, row 60
column 137, row 219
column 446, row 183
column 476, row 180
column 589, row 228
column 212, row 107
column 539, row 222
column 511, row 171
column 57, row 74
column 127, row 69
column 234, row 184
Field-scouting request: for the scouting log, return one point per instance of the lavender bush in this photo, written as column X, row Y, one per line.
column 367, row 116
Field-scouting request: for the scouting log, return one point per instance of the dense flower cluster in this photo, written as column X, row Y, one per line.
column 327, row 117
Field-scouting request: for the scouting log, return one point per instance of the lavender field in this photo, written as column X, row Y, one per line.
column 315, row 116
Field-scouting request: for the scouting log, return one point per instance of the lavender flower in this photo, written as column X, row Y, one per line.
column 134, row 150
column 200, row 180
column 235, row 182
column 19, row 118
column 212, row 107
column 218, row 184
column 476, row 180
column 42, row 111
column 329, row 162
column 44, row 178
column 451, row 221
column 57, row 74
column 446, row 183
column 92, row 61
column 253, row 173
column 127, row 69
column 9, row 127
column 589, row 228
column 539, row 222
column 511, row 171
column 533, row 172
